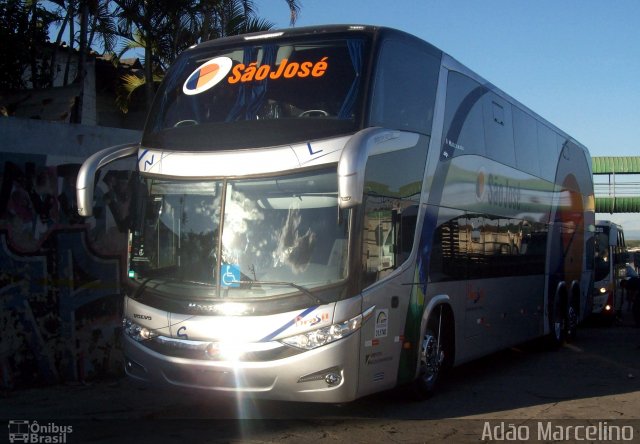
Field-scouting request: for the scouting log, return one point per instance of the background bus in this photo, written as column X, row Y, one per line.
column 324, row 213
column 611, row 267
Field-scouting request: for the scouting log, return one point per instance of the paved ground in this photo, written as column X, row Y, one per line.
column 595, row 381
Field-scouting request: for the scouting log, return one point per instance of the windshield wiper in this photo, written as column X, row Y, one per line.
column 145, row 283
column 141, row 286
column 303, row 290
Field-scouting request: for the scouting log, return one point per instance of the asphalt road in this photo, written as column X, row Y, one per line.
column 593, row 382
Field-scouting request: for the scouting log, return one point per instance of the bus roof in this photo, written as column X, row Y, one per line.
column 608, row 223
column 380, row 32
column 308, row 31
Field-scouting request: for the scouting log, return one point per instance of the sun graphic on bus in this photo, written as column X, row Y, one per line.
column 207, row 75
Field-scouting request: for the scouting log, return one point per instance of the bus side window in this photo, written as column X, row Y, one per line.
column 389, row 230
column 404, row 87
column 463, row 125
column 498, row 129
column 390, row 210
column 406, row 224
column 377, row 238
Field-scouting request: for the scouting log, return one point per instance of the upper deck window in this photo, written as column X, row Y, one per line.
column 405, row 84
column 261, row 94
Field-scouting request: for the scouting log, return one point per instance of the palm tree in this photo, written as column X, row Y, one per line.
column 24, row 28
column 145, row 22
column 224, row 18
column 164, row 28
column 96, row 23
column 102, row 25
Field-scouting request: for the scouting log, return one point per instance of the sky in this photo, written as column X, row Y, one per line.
column 574, row 62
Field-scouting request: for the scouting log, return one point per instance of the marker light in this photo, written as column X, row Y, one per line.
column 325, row 335
column 607, row 307
column 603, row 290
column 264, row 36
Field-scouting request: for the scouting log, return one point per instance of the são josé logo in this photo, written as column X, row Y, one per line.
column 207, row 75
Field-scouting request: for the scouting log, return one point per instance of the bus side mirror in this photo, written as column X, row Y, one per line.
column 85, row 181
column 353, row 160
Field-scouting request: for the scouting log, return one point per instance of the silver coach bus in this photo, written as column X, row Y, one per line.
column 323, row 213
column 611, row 256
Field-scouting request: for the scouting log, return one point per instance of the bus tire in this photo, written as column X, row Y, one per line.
column 572, row 318
column 557, row 322
column 436, row 354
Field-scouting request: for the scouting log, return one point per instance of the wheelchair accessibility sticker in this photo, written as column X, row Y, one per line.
column 230, row 275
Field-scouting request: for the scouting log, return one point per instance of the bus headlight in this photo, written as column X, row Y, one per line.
column 137, row 332
column 603, row 290
column 325, row 335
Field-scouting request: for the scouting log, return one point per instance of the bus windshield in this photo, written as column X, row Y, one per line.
column 260, row 94
column 240, row 238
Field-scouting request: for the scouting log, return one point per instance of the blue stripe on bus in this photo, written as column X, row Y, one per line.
column 142, row 155
column 288, row 324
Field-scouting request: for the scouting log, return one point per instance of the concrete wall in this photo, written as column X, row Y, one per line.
column 60, row 139
column 60, row 274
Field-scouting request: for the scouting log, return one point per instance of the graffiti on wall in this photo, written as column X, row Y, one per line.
column 60, row 274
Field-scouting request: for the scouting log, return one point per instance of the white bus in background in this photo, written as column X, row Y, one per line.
column 611, row 257
column 323, row 213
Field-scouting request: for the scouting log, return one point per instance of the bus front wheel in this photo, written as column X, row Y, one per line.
column 436, row 353
column 558, row 315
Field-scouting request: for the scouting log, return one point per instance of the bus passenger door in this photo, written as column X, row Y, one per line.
column 387, row 242
column 382, row 336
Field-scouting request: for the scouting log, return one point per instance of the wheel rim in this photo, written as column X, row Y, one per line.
column 432, row 357
column 572, row 317
column 557, row 329
column 558, row 322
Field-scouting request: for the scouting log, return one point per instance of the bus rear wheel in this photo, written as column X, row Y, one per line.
column 572, row 321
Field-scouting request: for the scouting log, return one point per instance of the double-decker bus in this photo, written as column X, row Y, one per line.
column 327, row 212
column 611, row 256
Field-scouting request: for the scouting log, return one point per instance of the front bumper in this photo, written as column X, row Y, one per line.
column 302, row 377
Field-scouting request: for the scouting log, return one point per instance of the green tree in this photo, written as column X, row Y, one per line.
column 96, row 23
column 164, row 28
column 144, row 23
column 24, row 28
